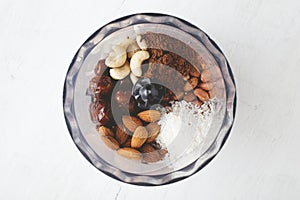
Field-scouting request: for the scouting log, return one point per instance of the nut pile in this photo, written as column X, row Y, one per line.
column 135, row 137
column 132, row 132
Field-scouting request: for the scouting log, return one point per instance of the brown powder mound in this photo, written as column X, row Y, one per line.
column 168, row 63
column 173, row 45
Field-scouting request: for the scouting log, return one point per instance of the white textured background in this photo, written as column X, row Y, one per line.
column 260, row 160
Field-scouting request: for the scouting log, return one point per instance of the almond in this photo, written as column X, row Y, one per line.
column 206, row 86
column 150, row 155
column 130, row 153
column 149, row 115
column 131, row 123
column 121, row 134
column 104, row 131
column 153, row 131
column 110, row 142
column 139, row 137
column 127, row 143
column 191, row 84
column 201, row 94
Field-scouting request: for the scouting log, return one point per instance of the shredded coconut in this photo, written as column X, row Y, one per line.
column 184, row 127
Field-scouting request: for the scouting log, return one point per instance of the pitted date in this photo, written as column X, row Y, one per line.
column 101, row 85
column 100, row 112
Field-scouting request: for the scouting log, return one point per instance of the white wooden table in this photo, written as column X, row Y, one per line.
column 260, row 160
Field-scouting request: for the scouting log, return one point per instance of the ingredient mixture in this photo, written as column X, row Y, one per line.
column 150, row 91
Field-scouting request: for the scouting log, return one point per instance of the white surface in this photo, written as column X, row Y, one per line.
column 260, row 160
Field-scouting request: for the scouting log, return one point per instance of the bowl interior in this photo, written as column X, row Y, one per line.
column 182, row 144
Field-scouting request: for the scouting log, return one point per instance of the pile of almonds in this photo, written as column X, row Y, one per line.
column 135, row 137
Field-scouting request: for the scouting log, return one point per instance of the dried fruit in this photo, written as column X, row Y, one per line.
column 149, row 115
column 130, row 153
column 100, row 112
column 139, row 137
column 131, row 123
column 153, row 131
column 101, row 85
column 121, row 134
column 191, row 84
column 150, row 155
column 104, row 131
column 110, row 142
column 201, row 94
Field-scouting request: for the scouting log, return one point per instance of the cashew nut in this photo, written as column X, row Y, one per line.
column 120, row 72
column 133, row 78
column 136, row 62
column 142, row 43
column 132, row 48
column 117, row 57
